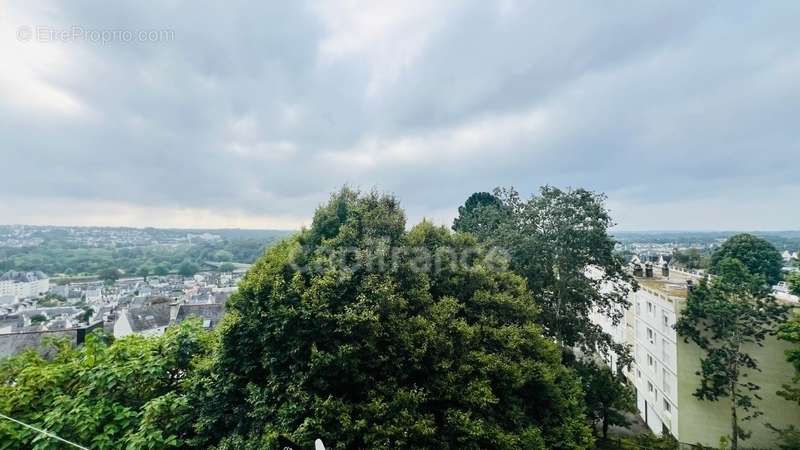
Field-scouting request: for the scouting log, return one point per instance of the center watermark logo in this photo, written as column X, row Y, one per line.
column 26, row 33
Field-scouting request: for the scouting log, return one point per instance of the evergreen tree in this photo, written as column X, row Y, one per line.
column 480, row 215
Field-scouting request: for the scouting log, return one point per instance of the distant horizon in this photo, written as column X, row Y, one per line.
column 611, row 231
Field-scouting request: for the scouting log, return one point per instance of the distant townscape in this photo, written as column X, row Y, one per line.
column 141, row 282
column 64, row 282
column 32, row 308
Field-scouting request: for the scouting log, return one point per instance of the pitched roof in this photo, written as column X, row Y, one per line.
column 148, row 317
column 210, row 313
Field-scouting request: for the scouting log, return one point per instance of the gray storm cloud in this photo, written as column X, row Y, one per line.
column 684, row 113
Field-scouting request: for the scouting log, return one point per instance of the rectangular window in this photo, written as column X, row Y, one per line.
column 649, row 387
column 667, row 406
column 651, row 336
column 666, row 322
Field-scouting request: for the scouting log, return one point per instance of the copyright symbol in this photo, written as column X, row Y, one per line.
column 24, row 33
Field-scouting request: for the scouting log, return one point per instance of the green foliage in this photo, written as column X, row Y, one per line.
column 323, row 340
column 38, row 318
column 126, row 394
column 160, row 270
column 223, row 256
column 50, row 299
column 188, row 269
column 227, row 267
column 144, row 271
column 653, row 442
column 552, row 238
column 480, row 215
column 109, row 275
column 793, row 280
column 61, row 254
column 608, row 395
column 692, row 259
column 757, row 254
column 722, row 317
column 87, row 314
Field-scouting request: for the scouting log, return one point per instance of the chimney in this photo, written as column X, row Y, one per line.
column 665, row 270
column 648, row 270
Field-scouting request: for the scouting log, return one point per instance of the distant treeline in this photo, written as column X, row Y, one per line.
column 782, row 240
column 61, row 253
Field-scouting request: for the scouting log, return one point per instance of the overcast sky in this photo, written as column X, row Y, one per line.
column 687, row 114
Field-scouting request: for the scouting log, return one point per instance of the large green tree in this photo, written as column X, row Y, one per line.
column 758, row 255
column 367, row 336
column 552, row 238
column 127, row 394
column 726, row 318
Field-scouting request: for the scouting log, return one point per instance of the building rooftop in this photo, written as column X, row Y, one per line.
column 673, row 285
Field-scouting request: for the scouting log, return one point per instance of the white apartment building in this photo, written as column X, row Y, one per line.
column 23, row 284
column 664, row 368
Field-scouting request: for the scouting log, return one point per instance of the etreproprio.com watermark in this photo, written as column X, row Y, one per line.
column 27, row 33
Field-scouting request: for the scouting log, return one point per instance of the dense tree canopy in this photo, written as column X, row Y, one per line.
column 368, row 336
column 691, row 259
column 758, row 255
column 552, row 238
column 128, row 394
column 480, row 215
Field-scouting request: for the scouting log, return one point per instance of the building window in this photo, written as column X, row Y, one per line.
column 651, row 336
column 638, row 373
column 666, row 322
column 649, row 307
column 667, row 406
column 650, row 387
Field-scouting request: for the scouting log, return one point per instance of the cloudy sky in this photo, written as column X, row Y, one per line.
column 687, row 114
